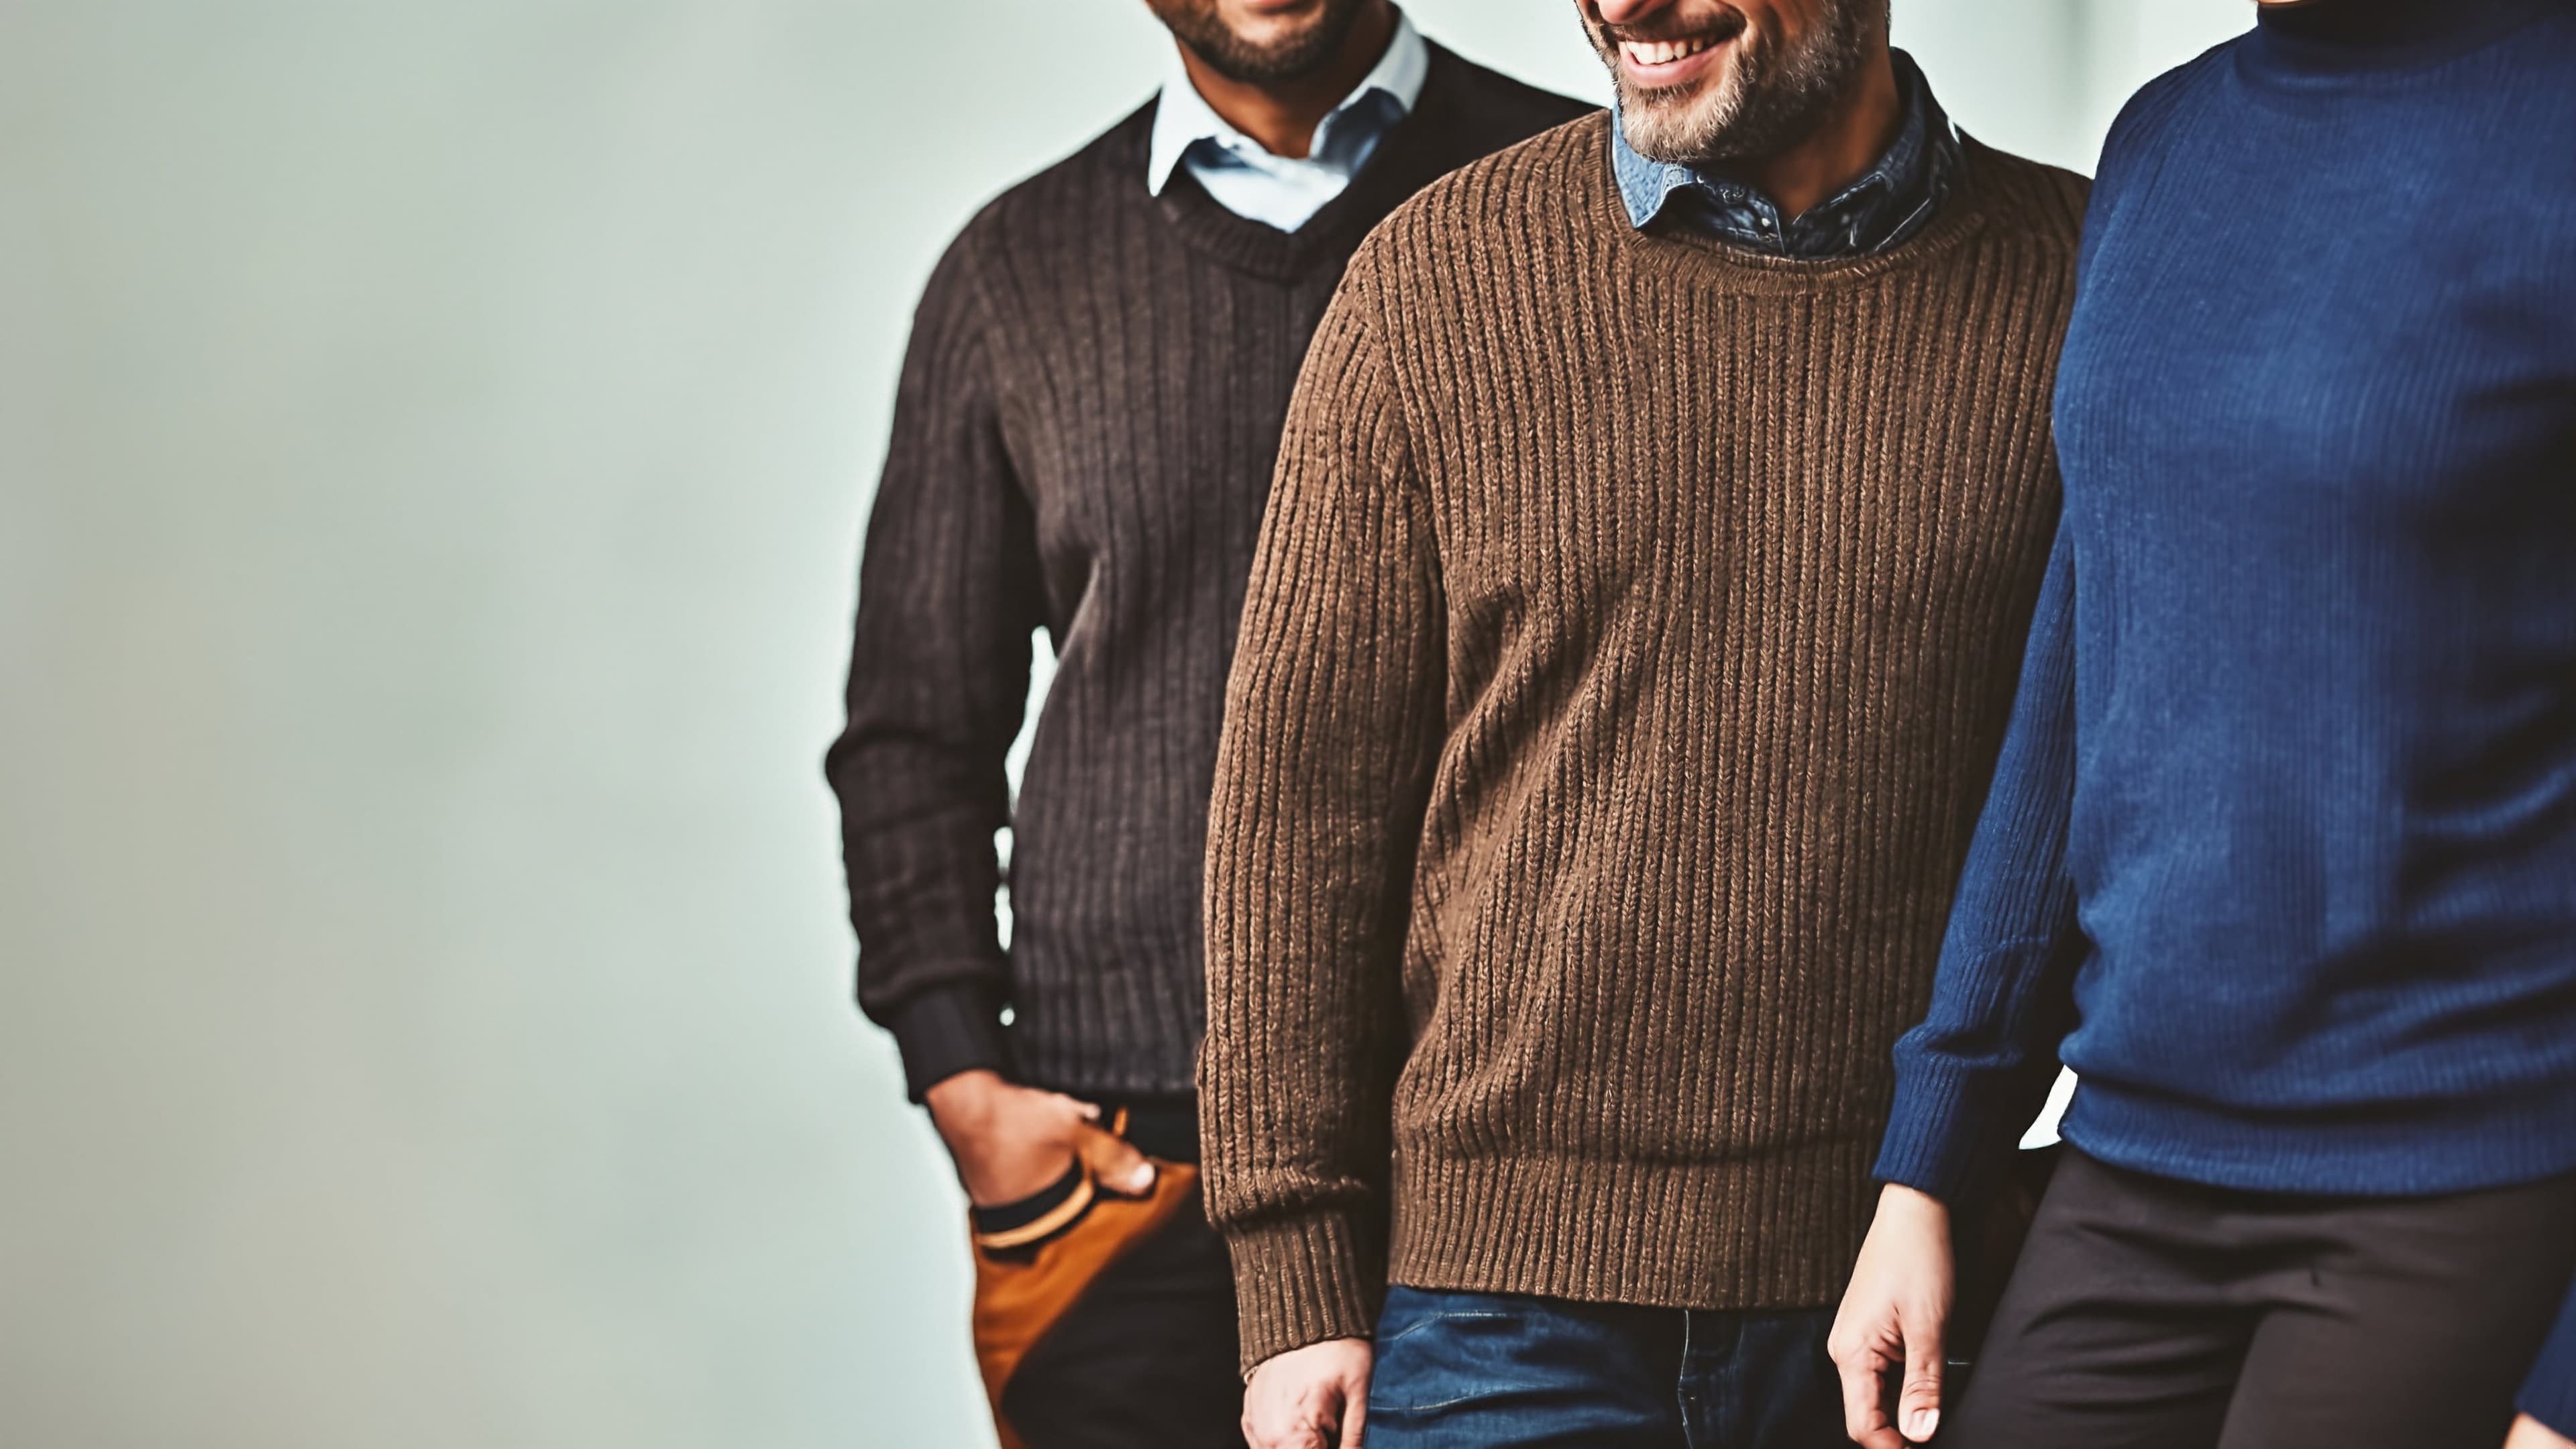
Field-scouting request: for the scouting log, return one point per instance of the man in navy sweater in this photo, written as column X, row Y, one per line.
column 2280, row 853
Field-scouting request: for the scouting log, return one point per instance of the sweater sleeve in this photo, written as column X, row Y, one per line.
column 2549, row 1392
column 1971, row 1077
column 1333, row 724
column 938, row 686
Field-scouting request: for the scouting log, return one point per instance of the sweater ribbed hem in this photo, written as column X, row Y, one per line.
column 1775, row 1231
column 2389, row 1150
column 1302, row 1280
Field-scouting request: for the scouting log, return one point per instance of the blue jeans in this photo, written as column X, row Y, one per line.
column 1503, row 1371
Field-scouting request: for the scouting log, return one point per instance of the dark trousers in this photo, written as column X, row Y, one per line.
column 2164, row 1315
column 1503, row 1371
column 1116, row 1331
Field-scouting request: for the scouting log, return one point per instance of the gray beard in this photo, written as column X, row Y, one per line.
column 1766, row 105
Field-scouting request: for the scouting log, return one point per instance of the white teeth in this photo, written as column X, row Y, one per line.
column 1663, row 52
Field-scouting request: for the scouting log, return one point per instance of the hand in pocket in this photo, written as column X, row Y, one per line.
column 1012, row 1142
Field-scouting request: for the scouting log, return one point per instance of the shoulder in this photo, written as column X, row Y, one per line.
column 1033, row 213
column 1520, row 194
column 1490, row 104
column 2148, row 116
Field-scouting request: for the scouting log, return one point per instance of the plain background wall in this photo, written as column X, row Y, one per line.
column 433, row 445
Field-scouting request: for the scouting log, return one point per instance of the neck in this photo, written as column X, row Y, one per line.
column 1282, row 115
column 1846, row 145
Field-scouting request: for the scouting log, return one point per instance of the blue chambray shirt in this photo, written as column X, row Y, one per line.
column 1881, row 208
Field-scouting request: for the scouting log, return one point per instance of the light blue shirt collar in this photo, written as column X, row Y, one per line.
column 1277, row 190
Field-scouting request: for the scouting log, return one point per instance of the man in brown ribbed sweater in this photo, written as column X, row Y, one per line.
column 1633, row 628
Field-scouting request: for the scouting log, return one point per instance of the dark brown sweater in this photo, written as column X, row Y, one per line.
column 1083, row 440
column 1631, row 636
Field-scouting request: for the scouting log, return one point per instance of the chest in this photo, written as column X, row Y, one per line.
column 2377, row 338
column 1739, row 464
column 1146, row 382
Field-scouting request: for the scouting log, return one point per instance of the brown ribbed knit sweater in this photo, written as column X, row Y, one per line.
column 1631, row 635
column 1083, row 440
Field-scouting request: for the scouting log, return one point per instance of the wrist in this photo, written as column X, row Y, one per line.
column 964, row 1101
column 1913, row 1205
column 1322, row 1351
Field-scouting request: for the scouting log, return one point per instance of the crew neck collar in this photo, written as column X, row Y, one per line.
column 2330, row 39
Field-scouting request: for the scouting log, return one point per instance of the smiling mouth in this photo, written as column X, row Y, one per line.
column 1665, row 52
column 1656, row 54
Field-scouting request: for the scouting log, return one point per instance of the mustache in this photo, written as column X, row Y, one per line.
column 1728, row 25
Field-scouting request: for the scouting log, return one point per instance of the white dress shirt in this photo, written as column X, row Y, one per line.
column 1277, row 190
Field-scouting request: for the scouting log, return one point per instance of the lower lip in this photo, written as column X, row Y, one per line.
column 1673, row 72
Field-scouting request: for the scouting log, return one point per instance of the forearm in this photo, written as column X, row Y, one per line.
column 919, row 773
column 938, row 687
column 1972, row 1075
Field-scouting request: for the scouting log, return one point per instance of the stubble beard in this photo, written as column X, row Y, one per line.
column 1196, row 24
column 1763, row 103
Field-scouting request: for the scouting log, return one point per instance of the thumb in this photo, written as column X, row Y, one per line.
column 1918, row 1404
column 1116, row 1163
column 1354, row 1412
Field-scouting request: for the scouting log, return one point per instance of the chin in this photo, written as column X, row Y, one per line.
column 1673, row 126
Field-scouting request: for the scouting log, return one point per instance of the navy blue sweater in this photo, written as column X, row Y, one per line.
column 2280, row 854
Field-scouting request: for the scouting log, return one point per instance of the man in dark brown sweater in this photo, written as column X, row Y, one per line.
column 1631, row 635
column 1083, row 441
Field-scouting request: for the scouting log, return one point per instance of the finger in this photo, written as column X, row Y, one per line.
column 1918, row 1405
column 1116, row 1163
column 1864, row 1418
column 1259, row 1433
column 1354, row 1414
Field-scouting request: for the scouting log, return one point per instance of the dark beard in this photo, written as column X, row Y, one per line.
column 1777, row 100
column 1194, row 23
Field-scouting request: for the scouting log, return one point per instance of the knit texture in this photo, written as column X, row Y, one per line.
column 1083, row 440
column 1629, row 642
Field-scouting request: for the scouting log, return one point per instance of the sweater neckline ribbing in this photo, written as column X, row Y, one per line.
column 1707, row 259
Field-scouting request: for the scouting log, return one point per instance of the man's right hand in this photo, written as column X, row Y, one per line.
column 1314, row 1397
column 1011, row 1142
column 1892, row 1319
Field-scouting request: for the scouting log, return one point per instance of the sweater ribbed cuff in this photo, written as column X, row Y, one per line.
column 2549, row 1393
column 1934, row 1142
column 948, row 1030
column 1303, row 1280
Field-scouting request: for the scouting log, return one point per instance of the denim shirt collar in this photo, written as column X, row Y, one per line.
column 1880, row 208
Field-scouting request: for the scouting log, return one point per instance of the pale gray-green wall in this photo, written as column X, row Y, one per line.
column 434, row 436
